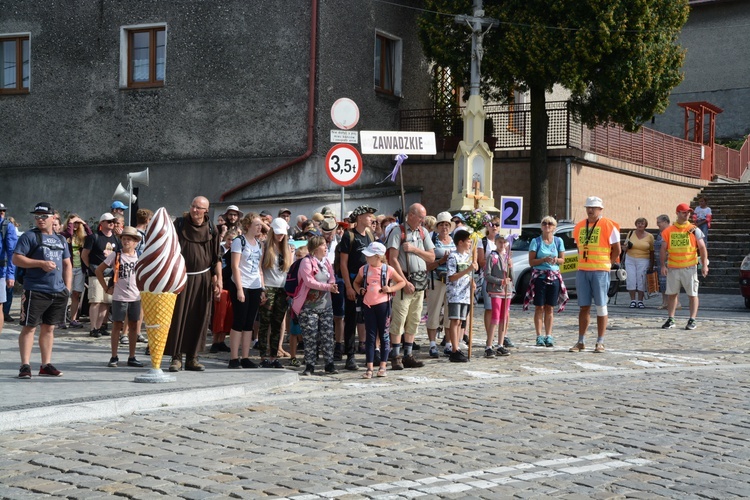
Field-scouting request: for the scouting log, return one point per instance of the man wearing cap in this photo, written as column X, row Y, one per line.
column 118, row 208
column 353, row 242
column 232, row 217
column 96, row 248
column 460, row 223
column 683, row 243
column 598, row 240
column 48, row 278
column 267, row 218
column 8, row 239
column 410, row 249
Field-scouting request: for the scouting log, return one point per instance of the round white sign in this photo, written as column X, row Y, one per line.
column 345, row 113
column 343, row 164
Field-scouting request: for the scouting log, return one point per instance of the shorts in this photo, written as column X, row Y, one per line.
column 122, row 310
column 245, row 312
column 96, row 292
column 546, row 293
column 79, row 280
column 458, row 311
column 40, row 308
column 592, row 285
column 3, row 296
column 294, row 328
column 685, row 277
column 338, row 299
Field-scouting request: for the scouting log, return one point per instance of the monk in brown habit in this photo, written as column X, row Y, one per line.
column 200, row 241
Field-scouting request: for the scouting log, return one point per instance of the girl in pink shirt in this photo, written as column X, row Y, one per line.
column 373, row 283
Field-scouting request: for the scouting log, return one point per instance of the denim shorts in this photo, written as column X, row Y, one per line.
column 592, row 285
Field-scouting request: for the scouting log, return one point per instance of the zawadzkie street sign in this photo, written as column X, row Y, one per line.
column 385, row 142
column 343, row 164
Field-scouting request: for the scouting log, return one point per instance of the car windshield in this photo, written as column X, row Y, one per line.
column 521, row 244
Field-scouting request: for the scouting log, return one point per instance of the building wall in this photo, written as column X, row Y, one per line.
column 716, row 68
column 234, row 104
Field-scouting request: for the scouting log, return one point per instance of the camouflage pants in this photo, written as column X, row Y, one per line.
column 272, row 313
column 317, row 331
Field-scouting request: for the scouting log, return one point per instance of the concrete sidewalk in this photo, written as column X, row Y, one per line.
column 89, row 389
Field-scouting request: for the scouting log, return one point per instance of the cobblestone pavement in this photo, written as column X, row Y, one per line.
column 662, row 413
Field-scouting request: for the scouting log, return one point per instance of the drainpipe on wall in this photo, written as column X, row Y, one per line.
column 310, row 109
column 568, row 161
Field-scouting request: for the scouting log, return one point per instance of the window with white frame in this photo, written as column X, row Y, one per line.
column 388, row 64
column 143, row 56
column 15, row 63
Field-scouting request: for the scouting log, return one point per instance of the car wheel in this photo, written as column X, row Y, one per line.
column 523, row 286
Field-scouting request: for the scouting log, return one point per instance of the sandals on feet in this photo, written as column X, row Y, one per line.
column 641, row 305
column 382, row 373
column 367, row 374
column 632, row 304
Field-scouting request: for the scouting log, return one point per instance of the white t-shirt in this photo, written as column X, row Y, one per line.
column 250, row 257
column 126, row 288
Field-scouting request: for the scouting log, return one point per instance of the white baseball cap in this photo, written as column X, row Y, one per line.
column 374, row 248
column 279, row 226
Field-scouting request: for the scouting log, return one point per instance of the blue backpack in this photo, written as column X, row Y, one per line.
column 292, row 284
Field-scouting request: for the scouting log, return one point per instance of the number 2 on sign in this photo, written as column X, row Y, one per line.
column 346, row 168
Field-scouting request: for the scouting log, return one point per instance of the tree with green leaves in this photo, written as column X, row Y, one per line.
column 619, row 59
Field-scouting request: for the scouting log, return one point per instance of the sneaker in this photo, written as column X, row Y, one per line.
column 95, row 333
column 104, row 332
column 690, row 324
column 351, row 363
column 397, row 363
column 458, row 357
column 309, row 370
column 361, row 349
column 669, row 323
column 294, row 362
column 579, row 347
column 247, row 363
column 416, row 347
column 9, row 319
column 24, row 372
column 62, row 326
column 276, row 364
column 411, row 362
column 76, row 324
column 113, row 362
column 147, row 351
column 502, row 351
column 134, row 362
column 331, row 369
column 265, row 363
column 508, row 343
column 448, row 350
column 434, row 353
column 338, row 354
column 465, row 339
column 142, row 339
column 124, row 340
column 255, row 345
column 599, row 347
column 49, row 371
column 234, row 363
column 549, row 341
column 540, row 341
column 489, row 353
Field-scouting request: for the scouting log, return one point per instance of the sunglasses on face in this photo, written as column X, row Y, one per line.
column 42, row 217
column 547, row 224
column 496, row 224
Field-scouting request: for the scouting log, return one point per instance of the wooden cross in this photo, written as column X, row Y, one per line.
column 477, row 195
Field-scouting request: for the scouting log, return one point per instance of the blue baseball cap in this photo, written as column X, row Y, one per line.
column 119, row 204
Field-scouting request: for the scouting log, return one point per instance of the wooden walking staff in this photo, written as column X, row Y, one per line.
column 475, row 239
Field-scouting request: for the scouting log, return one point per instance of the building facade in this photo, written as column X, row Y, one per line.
column 229, row 99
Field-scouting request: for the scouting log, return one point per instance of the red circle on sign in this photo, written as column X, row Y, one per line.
column 343, row 164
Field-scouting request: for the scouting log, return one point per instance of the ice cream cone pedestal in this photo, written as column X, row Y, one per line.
column 157, row 315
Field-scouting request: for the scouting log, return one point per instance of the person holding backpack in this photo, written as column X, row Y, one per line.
column 47, row 280
column 312, row 304
column 350, row 249
column 546, row 286
column 373, row 284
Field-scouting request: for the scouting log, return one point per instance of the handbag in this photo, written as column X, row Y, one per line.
column 419, row 280
column 652, row 281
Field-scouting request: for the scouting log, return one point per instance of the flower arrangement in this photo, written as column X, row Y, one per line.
column 478, row 219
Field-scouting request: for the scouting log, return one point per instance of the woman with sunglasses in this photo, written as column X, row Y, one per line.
column 546, row 253
column 485, row 249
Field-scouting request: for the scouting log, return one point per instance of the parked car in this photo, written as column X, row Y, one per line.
column 522, row 270
column 745, row 280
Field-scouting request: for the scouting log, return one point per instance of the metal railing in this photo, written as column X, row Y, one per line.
column 510, row 128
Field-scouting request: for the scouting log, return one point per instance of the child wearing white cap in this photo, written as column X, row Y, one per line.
column 373, row 283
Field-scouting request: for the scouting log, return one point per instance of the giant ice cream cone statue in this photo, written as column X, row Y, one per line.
column 160, row 274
